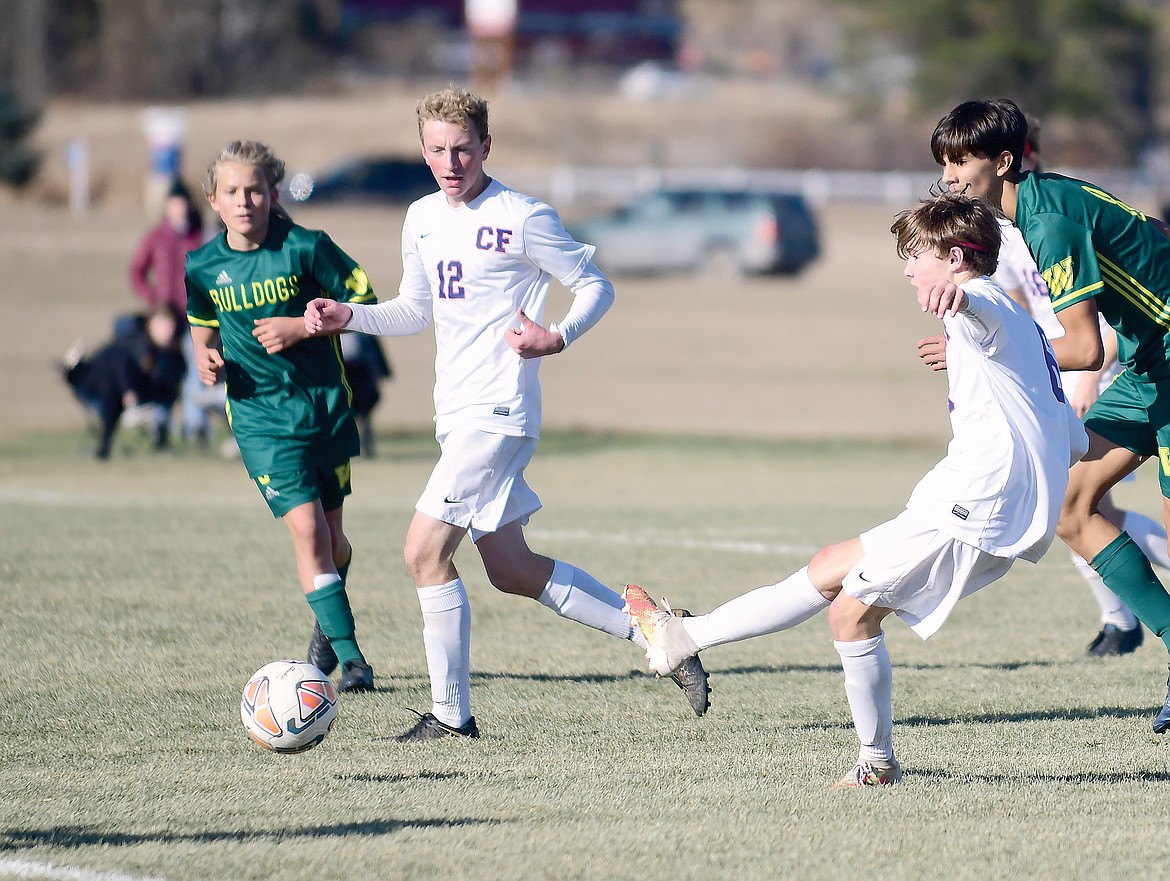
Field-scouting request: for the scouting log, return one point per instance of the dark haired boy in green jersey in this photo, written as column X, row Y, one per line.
column 1097, row 255
column 287, row 399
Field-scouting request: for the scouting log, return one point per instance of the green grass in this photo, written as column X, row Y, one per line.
column 141, row 593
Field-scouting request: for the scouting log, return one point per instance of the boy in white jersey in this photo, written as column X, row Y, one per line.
column 477, row 260
column 995, row 497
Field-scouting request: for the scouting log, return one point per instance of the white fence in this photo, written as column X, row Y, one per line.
column 566, row 187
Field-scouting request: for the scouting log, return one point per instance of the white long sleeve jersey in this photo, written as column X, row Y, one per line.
column 1001, row 484
column 469, row 269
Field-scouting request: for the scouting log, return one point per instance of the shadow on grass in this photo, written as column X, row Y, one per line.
column 582, row 678
column 1006, row 666
column 1073, row 714
column 89, row 836
column 395, row 778
column 1018, row 778
column 748, row 670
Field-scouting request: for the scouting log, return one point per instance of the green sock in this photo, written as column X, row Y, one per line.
column 343, row 570
column 1127, row 572
column 331, row 606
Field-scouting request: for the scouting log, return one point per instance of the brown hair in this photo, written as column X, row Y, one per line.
column 981, row 128
column 948, row 221
column 455, row 105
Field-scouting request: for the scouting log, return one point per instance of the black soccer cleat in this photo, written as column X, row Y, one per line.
column 430, row 728
column 1113, row 641
column 1161, row 723
column 692, row 678
column 321, row 654
column 356, row 676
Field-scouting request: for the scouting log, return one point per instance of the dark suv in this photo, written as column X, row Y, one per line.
column 718, row 231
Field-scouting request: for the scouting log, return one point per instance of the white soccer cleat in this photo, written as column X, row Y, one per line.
column 867, row 774
column 670, row 644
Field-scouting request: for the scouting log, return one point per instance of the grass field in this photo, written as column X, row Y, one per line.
column 141, row 595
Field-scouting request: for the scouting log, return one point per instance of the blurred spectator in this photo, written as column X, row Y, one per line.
column 133, row 378
column 365, row 366
column 157, row 272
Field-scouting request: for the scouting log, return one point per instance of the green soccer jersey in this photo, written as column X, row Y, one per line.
column 1089, row 244
column 291, row 410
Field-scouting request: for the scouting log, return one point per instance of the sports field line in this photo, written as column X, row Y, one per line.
column 644, row 539
column 26, row 869
column 59, row 498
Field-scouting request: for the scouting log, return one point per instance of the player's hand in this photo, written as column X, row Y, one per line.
column 1084, row 393
column 323, row 316
column 210, row 365
column 933, row 351
column 942, row 299
column 530, row 340
column 278, row 334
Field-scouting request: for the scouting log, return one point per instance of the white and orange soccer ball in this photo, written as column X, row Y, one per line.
column 288, row 706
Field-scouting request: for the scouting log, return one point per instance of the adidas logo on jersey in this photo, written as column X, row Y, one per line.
column 223, row 278
column 270, row 493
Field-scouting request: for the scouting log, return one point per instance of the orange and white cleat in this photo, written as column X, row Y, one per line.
column 672, row 652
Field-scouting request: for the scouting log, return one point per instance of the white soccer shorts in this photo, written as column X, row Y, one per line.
column 918, row 571
column 478, row 482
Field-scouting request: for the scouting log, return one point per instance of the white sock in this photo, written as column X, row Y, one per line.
column 575, row 594
column 1150, row 536
column 447, row 639
column 869, row 685
column 1113, row 610
column 766, row 609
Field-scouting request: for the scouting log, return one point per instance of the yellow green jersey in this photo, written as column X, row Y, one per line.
column 1087, row 243
column 291, row 410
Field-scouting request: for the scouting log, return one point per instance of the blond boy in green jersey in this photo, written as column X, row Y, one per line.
column 287, row 399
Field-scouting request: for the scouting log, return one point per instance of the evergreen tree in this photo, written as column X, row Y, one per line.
column 18, row 160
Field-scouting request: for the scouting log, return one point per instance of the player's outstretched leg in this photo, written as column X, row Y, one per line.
column 671, row 651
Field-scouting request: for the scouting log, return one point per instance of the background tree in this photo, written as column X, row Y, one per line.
column 1084, row 67
column 18, row 160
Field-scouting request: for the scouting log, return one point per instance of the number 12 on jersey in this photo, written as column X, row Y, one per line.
column 450, row 274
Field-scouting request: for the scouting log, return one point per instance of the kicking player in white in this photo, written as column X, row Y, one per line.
column 477, row 260
column 995, row 497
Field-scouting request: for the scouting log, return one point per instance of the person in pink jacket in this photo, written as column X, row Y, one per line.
column 156, row 274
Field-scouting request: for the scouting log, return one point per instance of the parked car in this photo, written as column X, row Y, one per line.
column 388, row 179
column 718, row 231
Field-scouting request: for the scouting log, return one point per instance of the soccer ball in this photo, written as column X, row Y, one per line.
column 288, row 706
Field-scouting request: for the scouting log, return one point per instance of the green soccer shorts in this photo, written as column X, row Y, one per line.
column 286, row 490
column 1135, row 414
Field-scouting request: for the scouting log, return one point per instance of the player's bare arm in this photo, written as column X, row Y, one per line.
column 280, row 333
column 1081, row 347
column 530, row 340
column 324, row 316
column 208, row 360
